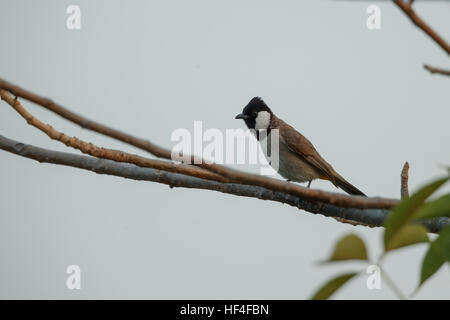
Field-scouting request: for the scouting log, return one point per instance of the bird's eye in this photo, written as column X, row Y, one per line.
column 254, row 114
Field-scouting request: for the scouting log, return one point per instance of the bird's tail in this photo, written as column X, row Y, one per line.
column 348, row 187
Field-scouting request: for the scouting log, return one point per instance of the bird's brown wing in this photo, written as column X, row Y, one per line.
column 297, row 143
column 301, row 146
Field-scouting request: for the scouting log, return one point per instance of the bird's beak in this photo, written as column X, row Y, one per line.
column 242, row 116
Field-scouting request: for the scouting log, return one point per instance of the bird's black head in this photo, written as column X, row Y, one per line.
column 256, row 114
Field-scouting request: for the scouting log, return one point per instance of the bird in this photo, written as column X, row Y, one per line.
column 298, row 160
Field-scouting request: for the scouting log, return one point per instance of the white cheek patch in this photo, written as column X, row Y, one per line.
column 262, row 121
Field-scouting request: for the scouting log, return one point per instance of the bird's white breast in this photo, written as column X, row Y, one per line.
column 262, row 121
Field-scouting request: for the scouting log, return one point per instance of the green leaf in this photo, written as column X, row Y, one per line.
column 404, row 211
column 408, row 235
column 432, row 262
column 437, row 208
column 437, row 254
column 350, row 247
column 331, row 286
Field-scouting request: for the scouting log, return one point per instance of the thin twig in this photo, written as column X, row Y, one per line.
column 409, row 11
column 404, row 181
column 434, row 70
column 369, row 217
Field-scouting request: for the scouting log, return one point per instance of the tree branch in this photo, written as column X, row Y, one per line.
column 315, row 201
column 85, row 122
column 369, row 217
column 104, row 153
column 235, row 176
column 409, row 11
column 338, row 199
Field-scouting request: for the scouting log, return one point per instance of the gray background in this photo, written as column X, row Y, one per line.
column 149, row 67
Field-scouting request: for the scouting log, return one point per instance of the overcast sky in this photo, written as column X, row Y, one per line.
column 150, row 67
